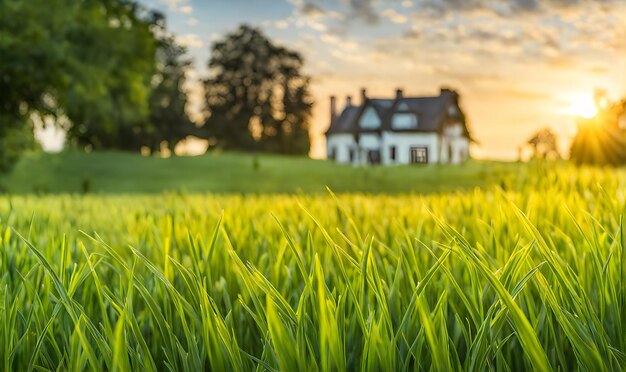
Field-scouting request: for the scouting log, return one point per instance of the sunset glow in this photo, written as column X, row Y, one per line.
column 582, row 106
column 518, row 65
column 313, row 185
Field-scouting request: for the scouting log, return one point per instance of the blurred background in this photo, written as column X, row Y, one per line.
column 115, row 84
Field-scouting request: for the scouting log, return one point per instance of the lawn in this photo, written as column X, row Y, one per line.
column 527, row 273
column 73, row 172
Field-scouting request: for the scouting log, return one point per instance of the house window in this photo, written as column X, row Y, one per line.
column 418, row 155
column 404, row 120
column 392, row 153
column 351, row 155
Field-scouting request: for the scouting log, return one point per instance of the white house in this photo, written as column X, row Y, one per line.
column 402, row 130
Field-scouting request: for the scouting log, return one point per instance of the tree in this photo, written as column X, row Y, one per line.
column 169, row 122
column 107, row 101
column 601, row 140
column 545, row 145
column 88, row 61
column 257, row 97
column 31, row 55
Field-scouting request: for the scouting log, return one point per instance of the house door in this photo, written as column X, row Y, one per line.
column 373, row 156
column 418, row 155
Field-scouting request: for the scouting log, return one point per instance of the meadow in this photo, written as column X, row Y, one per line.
column 526, row 272
column 227, row 172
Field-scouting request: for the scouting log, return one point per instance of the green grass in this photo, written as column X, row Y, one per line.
column 233, row 173
column 531, row 276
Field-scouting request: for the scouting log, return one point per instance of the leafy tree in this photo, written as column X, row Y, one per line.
column 601, row 140
column 169, row 122
column 257, row 97
column 31, row 55
column 544, row 144
column 88, row 61
column 107, row 101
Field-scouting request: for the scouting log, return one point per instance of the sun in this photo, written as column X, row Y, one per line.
column 582, row 105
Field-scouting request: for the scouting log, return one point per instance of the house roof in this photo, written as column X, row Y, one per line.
column 432, row 113
column 343, row 122
column 430, row 110
column 382, row 106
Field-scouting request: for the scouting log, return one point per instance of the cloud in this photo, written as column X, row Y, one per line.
column 562, row 62
column 187, row 9
column 364, row 10
column 350, row 58
column 561, row 31
column 190, row 41
column 281, row 24
column 312, row 10
column 179, row 6
column 411, row 35
column 505, row 7
column 394, row 16
column 456, row 48
column 559, row 36
column 367, row 11
column 599, row 70
column 309, row 14
column 173, row 4
column 338, row 41
column 527, row 95
column 192, row 22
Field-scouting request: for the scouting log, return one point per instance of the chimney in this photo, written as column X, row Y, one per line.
column 399, row 93
column 349, row 101
column 363, row 95
column 333, row 108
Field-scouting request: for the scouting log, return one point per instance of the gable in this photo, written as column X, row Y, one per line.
column 403, row 107
column 369, row 119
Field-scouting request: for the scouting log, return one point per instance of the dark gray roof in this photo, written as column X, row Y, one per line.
column 343, row 122
column 432, row 113
column 430, row 110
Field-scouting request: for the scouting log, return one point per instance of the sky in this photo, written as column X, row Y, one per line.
column 519, row 65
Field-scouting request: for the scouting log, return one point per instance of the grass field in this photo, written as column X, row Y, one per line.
column 72, row 172
column 529, row 277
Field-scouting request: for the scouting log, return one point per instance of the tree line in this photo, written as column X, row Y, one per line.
column 111, row 75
